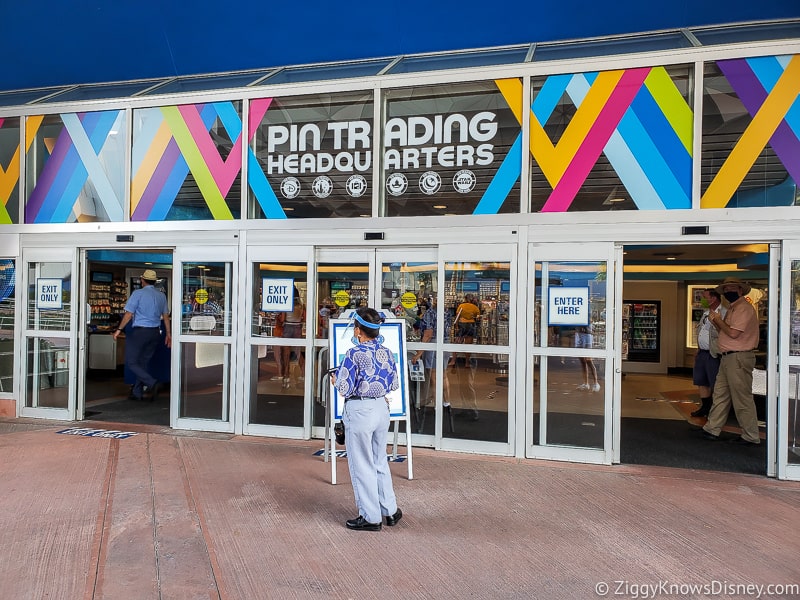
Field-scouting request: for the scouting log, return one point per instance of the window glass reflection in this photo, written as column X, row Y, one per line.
column 452, row 149
column 313, row 157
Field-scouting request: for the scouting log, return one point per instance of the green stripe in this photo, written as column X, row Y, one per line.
column 672, row 104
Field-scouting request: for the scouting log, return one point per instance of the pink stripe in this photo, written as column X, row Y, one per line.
column 258, row 108
column 589, row 151
column 224, row 173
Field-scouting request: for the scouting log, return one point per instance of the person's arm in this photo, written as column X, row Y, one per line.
column 125, row 320
column 168, row 330
column 716, row 321
column 427, row 336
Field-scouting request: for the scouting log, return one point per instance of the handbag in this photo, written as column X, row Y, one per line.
column 713, row 342
column 338, row 432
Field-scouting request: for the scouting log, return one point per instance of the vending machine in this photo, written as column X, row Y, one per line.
column 641, row 330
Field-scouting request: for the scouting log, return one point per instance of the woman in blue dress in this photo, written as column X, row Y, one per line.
column 368, row 372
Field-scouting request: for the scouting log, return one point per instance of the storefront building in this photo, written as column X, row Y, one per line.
column 515, row 175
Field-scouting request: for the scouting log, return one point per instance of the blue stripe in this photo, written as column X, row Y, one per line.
column 768, row 70
column 262, row 190
column 549, row 96
column 502, row 182
column 656, row 133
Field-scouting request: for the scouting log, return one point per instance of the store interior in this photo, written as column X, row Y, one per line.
column 657, row 391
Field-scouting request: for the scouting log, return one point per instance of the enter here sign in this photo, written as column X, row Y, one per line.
column 568, row 306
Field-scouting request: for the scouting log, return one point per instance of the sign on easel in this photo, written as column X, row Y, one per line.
column 393, row 331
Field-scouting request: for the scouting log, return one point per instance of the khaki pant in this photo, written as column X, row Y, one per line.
column 734, row 386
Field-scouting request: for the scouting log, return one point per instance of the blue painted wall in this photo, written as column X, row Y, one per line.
column 54, row 42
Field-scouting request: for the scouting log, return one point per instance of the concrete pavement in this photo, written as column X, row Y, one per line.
column 176, row 515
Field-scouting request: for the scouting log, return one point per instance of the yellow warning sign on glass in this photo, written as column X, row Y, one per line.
column 408, row 300
column 201, row 296
column 341, row 298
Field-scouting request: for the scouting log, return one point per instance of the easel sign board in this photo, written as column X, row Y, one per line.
column 394, row 334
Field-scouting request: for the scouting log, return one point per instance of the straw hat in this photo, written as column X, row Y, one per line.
column 149, row 275
column 734, row 281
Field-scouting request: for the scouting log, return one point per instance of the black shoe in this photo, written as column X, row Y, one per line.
column 740, row 441
column 392, row 520
column 134, row 397
column 710, row 436
column 700, row 412
column 156, row 389
column 362, row 524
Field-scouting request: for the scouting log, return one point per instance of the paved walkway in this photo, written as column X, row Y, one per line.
column 173, row 515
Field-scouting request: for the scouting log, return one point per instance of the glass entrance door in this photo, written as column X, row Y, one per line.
column 49, row 338
column 204, row 333
column 573, row 352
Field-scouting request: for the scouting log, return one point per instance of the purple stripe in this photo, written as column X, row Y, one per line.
column 157, row 181
column 752, row 94
column 51, row 169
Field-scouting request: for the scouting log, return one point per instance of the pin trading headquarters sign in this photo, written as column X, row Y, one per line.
column 568, row 306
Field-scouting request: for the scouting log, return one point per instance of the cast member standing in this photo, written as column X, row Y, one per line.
column 146, row 307
column 738, row 338
column 706, row 362
column 367, row 373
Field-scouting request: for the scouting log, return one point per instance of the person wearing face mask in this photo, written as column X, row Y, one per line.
column 738, row 338
column 706, row 361
column 367, row 373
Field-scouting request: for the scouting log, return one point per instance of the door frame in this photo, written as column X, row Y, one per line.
column 790, row 252
column 609, row 253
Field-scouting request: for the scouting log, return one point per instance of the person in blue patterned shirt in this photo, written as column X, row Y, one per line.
column 367, row 373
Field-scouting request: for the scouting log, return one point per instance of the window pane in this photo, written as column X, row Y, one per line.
column 184, row 166
column 476, row 302
column 640, row 159
column 575, row 401
column 205, row 381
column 206, row 289
column 313, row 157
column 734, row 91
column 461, row 60
column 75, row 167
column 9, row 192
column 409, row 290
column 47, row 380
column 52, row 312
column 453, row 150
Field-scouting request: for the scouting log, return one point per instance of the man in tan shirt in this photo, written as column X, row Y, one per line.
column 738, row 339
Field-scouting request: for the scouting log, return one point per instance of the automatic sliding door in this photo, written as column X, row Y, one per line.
column 49, row 356
column 204, row 338
column 572, row 352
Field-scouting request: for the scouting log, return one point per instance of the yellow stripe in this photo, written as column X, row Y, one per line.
column 149, row 164
column 754, row 138
column 672, row 104
column 586, row 116
column 512, row 92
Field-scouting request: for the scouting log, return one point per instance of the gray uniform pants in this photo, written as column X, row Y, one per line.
column 366, row 425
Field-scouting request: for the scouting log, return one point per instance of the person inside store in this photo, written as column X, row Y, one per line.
column 706, row 361
column 427, row 332
column 146, row 308
column 292, row 327
column 467, row 315
column 738, row 339
column 366, row 374
column 585, row 339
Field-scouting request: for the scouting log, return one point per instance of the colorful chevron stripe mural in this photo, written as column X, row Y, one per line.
column 769, row 88
column 79, row 178
column 173, row 141
column 637, row 117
